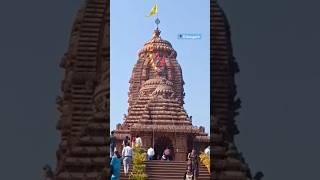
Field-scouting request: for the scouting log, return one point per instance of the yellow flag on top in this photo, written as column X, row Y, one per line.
column 153, row 11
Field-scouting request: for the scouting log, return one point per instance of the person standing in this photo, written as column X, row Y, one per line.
column 115, row 166
column 207, row 151
column 138, row 141
column 167, row 154
column 125, row 141
column 194, row 162
column 127, row 157
column 112, row 144
column 150, row 153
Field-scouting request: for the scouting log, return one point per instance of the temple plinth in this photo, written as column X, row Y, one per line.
column 156, row 98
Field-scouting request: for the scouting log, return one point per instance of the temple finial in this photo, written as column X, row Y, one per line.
column 157, row 21
column 156, row 32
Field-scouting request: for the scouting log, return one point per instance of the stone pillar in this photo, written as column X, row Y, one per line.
column 146, row 140
column 181, row 148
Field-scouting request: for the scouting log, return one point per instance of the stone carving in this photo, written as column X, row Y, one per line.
column 83, row 123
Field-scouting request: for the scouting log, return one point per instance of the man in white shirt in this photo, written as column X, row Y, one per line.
column 127, row 157
column 207, row 150
column 138, row 141
column 150, row 153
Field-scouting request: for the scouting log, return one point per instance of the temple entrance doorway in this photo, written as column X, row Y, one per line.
column 160, row 145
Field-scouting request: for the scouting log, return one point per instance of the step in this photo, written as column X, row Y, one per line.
column 199, row 178
column 165, row 162
column 180, row 177
column 122, row 177
column 157, row 178
column 172, row 170
column 170, row 165
column 172, row 173
column 168, row 170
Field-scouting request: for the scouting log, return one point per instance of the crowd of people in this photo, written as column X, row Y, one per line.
column 126, row 156
column 166, row 155
column 192, row 170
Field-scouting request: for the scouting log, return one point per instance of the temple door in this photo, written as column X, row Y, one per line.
column 161, row 144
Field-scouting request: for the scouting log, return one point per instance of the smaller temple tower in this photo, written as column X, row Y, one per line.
column 156, row 98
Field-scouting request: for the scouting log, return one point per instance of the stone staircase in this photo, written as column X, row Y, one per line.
column 168, row 170
column 122, row 176
column 171, row 170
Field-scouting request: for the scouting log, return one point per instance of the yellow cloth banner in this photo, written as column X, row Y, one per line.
column 153, row 11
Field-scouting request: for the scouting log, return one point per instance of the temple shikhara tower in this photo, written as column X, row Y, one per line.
column 228, row 163
column 156, row 98
column 83, row 125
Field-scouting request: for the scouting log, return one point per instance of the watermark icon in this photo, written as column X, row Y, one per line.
column 189, row 36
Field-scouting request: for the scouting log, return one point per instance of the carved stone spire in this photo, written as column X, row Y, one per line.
column 156, row 98
column 229, row 162
column 156, row 33
column 82, row 153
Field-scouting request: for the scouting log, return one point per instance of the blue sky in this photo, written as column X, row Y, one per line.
column 130, row 29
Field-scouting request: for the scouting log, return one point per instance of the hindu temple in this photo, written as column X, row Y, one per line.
column 155, row 103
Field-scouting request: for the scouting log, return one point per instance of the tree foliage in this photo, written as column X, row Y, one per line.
column 138, row 169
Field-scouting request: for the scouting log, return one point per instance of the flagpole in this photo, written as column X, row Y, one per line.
column 157, row 14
